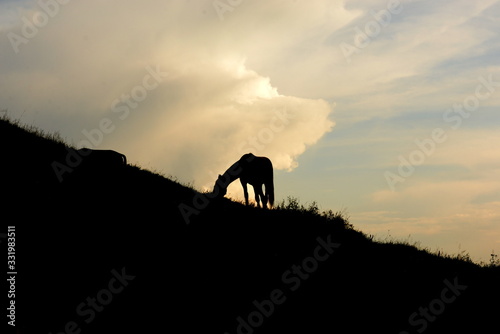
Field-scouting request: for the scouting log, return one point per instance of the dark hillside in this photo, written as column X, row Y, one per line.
column 109, row 251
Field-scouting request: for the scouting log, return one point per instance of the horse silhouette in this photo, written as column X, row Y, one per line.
column 257, row 171
column 102, row 158
column 83, row 162
column 102, row 166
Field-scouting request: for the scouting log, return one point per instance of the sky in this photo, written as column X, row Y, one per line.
column 387, row 110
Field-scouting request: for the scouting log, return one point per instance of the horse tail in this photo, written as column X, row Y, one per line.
column 270, row 192
column 270, row 189
column 270, row 183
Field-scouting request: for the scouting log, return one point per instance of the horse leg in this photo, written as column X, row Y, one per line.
column 245, row 190
column 258, row 194
column 264, row 199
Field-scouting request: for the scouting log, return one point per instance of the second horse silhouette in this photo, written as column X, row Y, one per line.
column 257, row 171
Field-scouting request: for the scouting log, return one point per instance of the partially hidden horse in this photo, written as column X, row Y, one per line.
column 102, row 158
column 257, row 171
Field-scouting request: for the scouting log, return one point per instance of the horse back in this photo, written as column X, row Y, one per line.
column 256, row 169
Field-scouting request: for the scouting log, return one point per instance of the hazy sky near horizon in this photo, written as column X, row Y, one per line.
column 388, row 109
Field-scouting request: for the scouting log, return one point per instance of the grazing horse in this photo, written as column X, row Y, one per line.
column 87, row 161
column 256, row 171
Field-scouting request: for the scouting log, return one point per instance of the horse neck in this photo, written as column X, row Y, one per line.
column 233, row 173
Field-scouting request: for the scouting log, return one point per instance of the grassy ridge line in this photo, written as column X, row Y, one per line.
column 35, row 149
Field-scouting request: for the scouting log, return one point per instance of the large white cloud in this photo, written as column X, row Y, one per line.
column 218, row 113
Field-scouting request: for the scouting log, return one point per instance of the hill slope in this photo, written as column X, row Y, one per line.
column 112, row 251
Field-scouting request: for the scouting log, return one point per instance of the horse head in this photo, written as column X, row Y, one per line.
column 220, row 188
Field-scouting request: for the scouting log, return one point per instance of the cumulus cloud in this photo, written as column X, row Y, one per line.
column 218, row 114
